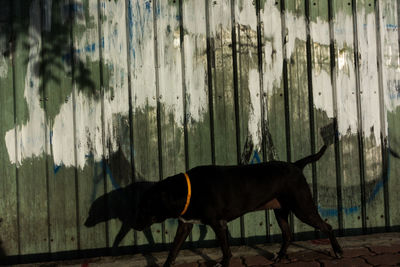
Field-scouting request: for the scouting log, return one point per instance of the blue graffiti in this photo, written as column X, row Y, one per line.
column 56, row 168
column 327, row 212
column 98, row 177
column 330, row 212
column 391, row 26
column 75, row 8
column 148, row 7
column 90, row 48
column 256, row 158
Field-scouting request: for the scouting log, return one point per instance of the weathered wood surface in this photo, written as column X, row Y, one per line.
column 196, row 87
column 87, row 96
column 57, row 88
column 33, row 207
column 8, row 172
column 97, row 94
column 389, row 59
column 273, row 89
column 144, row 99
column 223, row 95
column 324, row 190
column 370, row 113
column 347, row 114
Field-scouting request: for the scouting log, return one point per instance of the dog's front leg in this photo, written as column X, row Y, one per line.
column 181, row 234
column 221, row 231
column 125, row 228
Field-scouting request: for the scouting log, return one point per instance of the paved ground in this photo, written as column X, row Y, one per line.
column 368, row 250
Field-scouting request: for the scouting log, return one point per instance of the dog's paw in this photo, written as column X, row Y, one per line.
column 279, row 257
column 338, row 254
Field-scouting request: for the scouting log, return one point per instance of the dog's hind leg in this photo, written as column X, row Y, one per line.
column 181, row 234
column 221, row 231
column 311, row 217
column 281, row 216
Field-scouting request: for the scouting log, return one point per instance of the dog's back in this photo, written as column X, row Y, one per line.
column 231, row 191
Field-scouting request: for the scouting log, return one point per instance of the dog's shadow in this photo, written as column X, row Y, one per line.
column 120, row 204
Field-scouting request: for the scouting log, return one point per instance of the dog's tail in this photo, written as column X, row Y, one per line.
column 301, row 163
column 394, row 153
column 327, row 133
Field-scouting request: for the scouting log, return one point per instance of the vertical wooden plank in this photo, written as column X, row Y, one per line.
column 8, row 182
column 223, row 90
column 57, row 84
column 249, row 103
column 144, row 102
column 197, row 94
column 299, row 119
column 170, row 97
column 88, row 117
column 370, row 113
column 347, row 114
column 273, row 88
column 30, row 131
column 116, row 103
column 389, row 58
column 323, row 108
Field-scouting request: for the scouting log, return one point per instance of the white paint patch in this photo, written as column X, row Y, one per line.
column 220, row 18
column 115, row 58
column 320, row 32
column 254, row 123
column 89, row 138
column 296, row 32
column 62, row 136
column 390, row 55
column 142, row 61
column 322, row 92
column 369, row 84
column 88, row 129
column 273, row 61
column 30, row 136
column 195, row 46
column 246, row 15
column 246, row 18
column 169, row 60
column 322, row 83
column 346, row 80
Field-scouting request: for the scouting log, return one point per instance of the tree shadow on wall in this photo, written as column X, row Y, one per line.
column 44, row 37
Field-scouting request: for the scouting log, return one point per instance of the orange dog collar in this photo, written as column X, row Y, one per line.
column 189, row 194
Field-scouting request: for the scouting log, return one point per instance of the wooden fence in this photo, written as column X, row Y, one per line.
column 95, row 95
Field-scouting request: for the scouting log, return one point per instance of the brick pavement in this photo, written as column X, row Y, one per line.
column 367, row 250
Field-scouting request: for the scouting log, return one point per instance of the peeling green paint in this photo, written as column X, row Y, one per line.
column 344, row 6
column 318, row 10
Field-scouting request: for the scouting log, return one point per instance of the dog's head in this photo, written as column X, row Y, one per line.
column 98, row 212
column 120, row 203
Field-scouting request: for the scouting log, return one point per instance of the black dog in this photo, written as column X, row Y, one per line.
column 220, row 194
column 119, row 204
